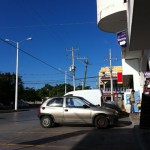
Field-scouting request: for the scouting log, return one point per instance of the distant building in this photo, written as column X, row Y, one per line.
column 128, row 19
column 104, row 78
column 105, row 84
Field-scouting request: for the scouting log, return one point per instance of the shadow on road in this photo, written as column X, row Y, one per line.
column 123, row 123
column 55, row 138
column 110, row 139
column 95, row 134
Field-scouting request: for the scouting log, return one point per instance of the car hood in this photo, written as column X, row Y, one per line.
column 106, row 110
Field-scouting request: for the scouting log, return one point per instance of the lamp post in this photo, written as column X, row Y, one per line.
column 17, row 58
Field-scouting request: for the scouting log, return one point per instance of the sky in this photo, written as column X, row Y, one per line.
column 56, row 26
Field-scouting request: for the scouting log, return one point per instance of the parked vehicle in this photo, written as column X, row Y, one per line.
column 75, row 110
column 95, row 96
column 1, row 106
column 21, row 104
column 92, row 95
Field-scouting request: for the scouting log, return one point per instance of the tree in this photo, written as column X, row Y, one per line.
column 7, row 90
column 30, row 94
column 7, row 87
column 51, row 91
column 79, row 87
column 45, row 91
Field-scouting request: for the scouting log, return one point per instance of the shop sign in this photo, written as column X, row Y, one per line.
column 119, row 75
column 122, row 38
column 147, row 74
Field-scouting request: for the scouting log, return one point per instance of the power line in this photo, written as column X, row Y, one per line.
column 45, row 63
column 34, row 57
column 48, row 25
column 87, row 77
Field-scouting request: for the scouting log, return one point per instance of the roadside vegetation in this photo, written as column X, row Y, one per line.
column 31, row 95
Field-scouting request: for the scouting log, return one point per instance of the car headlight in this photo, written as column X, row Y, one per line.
column 115, row 112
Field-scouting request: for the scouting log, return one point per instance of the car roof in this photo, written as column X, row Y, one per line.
column 69, row 96
column 66, row 96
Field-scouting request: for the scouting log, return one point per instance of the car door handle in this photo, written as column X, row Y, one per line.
column 66, row 109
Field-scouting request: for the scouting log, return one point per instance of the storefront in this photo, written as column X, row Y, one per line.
column 146, row 89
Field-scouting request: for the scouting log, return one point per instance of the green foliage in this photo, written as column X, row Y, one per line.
column 44, row 92
column 7, row 90
column 7, row 87
column 80, row 87
column 30, row 95
column 50, row 91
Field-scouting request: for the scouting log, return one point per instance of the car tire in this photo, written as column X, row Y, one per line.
column 101, row 122
column 46, row 122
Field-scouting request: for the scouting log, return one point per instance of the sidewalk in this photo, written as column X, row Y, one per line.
column 142, row 135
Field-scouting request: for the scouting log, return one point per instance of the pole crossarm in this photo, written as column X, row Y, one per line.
column 73, row 67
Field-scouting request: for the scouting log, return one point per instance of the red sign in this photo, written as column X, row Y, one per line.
column 119, row 75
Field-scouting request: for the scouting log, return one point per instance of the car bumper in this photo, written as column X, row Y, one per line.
column 113, row 120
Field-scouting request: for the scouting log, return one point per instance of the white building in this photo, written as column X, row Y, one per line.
column 132, row 16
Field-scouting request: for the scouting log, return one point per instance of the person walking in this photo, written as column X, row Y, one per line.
column 132, row 100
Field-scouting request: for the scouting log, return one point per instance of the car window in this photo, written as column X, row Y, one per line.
column 69, row 102
column 55, row 102
column 74, row 102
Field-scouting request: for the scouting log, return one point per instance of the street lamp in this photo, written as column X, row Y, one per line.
column 16, row 88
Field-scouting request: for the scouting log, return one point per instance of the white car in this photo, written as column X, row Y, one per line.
column 72, row 109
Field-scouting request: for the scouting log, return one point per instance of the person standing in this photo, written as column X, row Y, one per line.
column 132, row 100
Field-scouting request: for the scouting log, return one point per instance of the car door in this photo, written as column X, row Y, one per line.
column 74, row 112
column 55, row 108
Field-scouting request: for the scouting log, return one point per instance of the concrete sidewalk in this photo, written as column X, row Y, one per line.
column 142, row 135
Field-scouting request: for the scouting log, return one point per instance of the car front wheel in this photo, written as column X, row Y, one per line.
column 101, row 122
column 46, row 122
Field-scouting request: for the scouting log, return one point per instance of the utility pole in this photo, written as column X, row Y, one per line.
column 85, row 70
column 65, row 82
column 73, row 67
column 111, row 76
column 111, row 80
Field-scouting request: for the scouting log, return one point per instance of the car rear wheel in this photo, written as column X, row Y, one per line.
column 46, row 122
column 101, row 122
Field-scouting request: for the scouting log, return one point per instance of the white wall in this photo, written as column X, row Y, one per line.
column 149, row 58
column 108, row 7
column 131, row 67
column 129, row 17
column 135, row 64
column 132, row 54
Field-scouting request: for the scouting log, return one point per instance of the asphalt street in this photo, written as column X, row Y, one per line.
column 22, row 130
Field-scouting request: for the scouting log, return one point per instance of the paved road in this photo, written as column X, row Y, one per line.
column 22, row 131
